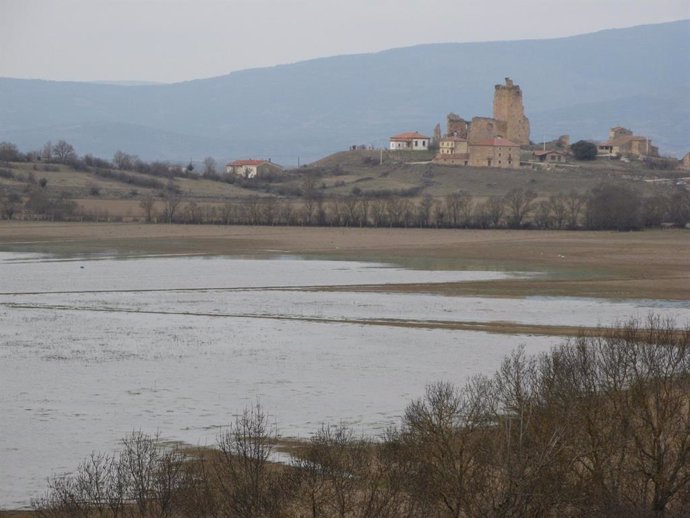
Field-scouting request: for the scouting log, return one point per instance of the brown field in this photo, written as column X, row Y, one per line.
column 651, row 264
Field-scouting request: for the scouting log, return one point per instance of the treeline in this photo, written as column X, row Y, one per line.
column 608, row 207
column 62, row 152
column 599, row 426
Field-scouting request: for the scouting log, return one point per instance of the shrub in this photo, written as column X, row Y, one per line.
column 584, row 150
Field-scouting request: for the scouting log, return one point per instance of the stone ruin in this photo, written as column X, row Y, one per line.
column 509, row 120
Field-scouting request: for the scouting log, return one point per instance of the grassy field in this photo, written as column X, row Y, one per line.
column 651, row 264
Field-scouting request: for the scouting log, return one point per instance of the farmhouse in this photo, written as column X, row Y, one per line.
column 252, row 168
column 552, row 157
column 411, row 140
column 496, row 152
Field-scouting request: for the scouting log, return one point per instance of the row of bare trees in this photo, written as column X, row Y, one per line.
column 607, row 207
column 599, row 426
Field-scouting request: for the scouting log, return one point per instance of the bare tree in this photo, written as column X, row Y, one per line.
column 47, row 151
column 494, row 208
column 424, row 211
column 543, row 217
column 458, row 207
column 439, row 444
column 574, row 203
column 148, row 204
column 210, row 167
column 342, row 475
column 124, row 160
column 559, row 209
column 248, row 487
column 9, row 152
column 173, row 198
column 519, row 204
column 64, row 152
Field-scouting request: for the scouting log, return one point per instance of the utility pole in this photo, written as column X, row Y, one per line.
column 381, row 157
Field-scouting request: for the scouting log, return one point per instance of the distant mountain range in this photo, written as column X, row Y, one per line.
column 582, row 85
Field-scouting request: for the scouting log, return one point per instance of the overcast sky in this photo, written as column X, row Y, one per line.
column 175, row 40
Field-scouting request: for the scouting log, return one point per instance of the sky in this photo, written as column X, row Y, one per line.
column 177, row 40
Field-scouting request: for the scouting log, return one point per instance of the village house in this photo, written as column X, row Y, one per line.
column 453, row 151
column 622, row 142
column 411, row 140
column 552, row 156
column 496, row 152
column 252, row 168
column 452, row 146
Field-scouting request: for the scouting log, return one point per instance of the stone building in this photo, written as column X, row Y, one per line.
column 622, row 142
column 483, row 128
column 252, row 168
column 456, row 126
column 508, row 121
column 452, row 146
column 495, row 152
column 488, row 141
column 509, row 112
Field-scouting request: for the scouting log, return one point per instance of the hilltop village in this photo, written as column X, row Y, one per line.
column 498, row 141
column 502, row 141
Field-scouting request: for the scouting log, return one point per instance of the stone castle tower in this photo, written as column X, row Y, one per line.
column 509, row 113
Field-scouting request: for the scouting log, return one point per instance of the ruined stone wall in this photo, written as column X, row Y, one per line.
column 483, row 128
column 456, row 126
column 508, row 107
column 618, row 131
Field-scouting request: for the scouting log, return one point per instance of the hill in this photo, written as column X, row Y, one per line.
column 46, row 190
column 581, row 85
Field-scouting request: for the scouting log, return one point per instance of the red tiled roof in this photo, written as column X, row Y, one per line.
column 498, row 141
column 410, row 135
column 242, row 163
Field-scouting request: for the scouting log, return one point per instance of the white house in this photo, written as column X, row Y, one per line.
column 411, row 140
column 252, row 168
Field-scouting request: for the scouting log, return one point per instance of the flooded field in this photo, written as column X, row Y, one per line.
column 91, row 349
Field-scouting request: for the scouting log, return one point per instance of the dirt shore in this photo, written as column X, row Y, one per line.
column 651, row 264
